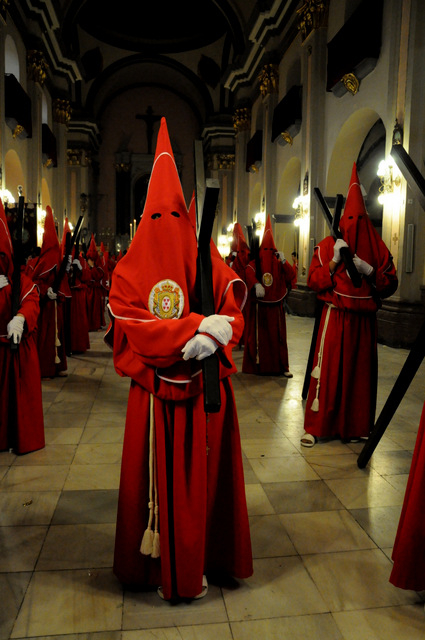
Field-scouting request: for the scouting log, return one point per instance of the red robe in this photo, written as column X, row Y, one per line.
column 21, row 409
column 266, row 350
column 80, row 339
column 95, row 312
column 203, row 520
column 408, row 571
column 347, row 385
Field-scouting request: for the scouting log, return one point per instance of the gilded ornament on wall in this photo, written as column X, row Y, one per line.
column 242, row 119
column 312, row 15
column 61, row 111
column 36, row 66
column 351, row 83
column 269, row 79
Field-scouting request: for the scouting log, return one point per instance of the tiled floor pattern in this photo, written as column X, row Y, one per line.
column 322, row 529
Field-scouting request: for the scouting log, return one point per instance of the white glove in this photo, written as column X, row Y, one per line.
column 107, row 283
column 260, row 291
column 68, row 266
column 77, row 264
column 51, row 294
column 218, row 327
column 15, row 329
column 3, row 281
column 199, row 347
column 281, row 256
column 234, row 254
column 337, row 246
column 362, row 267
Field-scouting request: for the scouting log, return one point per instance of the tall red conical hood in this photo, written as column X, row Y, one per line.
column 162, row 254
column 66, row 229
column 92, row 250
column 6, row 247
column 240, row 244
column 356, row 226
column 50, row 248
column 271, row 267
column 102, row 247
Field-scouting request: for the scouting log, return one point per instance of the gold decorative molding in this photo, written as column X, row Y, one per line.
column 269, row 79
column 351, row 83
column 242, row 119
column 122, row 167
column 18, row 130
column 312, row 15
column 287, row 137
column 74, row 157
column 36, row 66
column 62, row 111
column 221, row 161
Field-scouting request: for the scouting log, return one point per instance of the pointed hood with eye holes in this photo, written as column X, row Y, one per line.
column 163, row 249
column 272, row 280
column 356, row 226
column 240, row 245
column 50, row 248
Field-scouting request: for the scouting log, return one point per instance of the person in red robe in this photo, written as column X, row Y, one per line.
column 21, row 408
column 78, row 278
column 51, row 330
column 408, row 554
column 269, row 282
column 95, row 311
column 105, row 282
column 342, row 392
column 182, row 508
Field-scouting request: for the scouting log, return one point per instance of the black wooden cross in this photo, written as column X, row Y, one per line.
column 150, row 120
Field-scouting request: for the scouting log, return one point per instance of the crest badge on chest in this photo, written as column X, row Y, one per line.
column 267, row 279
column 166, row 300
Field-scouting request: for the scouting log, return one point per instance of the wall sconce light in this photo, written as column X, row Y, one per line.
column 223, row 245
column 260, row 223
column 389, row 180
column 300, row 205
column 6, row 196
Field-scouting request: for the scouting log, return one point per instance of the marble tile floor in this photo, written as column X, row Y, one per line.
column 322, row 529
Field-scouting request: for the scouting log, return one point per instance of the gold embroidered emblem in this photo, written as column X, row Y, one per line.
column 166, row 300
column 267, row 279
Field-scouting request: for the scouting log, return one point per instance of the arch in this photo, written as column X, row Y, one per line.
column 286, row 234
column 347, row 148
column 11, row 57
column 254, row 201
column 153, row 71
column 14, row 174
column 362, row 139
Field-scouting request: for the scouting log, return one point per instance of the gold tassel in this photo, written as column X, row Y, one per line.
column 57, row 341
column 315, row 404
column 316, row 372
column 146, row 545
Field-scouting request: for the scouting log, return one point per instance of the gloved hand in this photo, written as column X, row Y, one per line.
column 281, row 256
column 260, row 291
column 68, row 266
column 218, row 327
column 77, row 264
column 199, row 347
column 51, row 294
column 362, row 267
column 337, row 246
column 15, row 329
column 234, row 254
column 3, row 281
column 107, row 283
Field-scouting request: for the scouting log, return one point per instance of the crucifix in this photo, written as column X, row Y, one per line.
column 150, row 120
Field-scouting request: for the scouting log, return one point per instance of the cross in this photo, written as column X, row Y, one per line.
column 150, row 120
